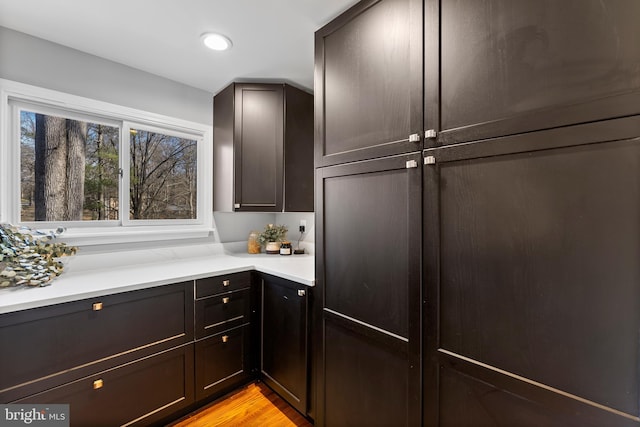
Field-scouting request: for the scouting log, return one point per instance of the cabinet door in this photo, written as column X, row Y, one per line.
column 369, row 82
column 140, row 393
column 284, row 339
column 368, row 232
column 509, row 67
column 532, row 280
column 258, row 147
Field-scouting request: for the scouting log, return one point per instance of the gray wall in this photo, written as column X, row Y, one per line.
column 236, row 226
column 38, row 62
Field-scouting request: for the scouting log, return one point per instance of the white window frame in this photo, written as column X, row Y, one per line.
column 15, row 96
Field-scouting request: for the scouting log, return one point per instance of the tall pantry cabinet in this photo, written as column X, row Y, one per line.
column 511, row 296
column 368, row 208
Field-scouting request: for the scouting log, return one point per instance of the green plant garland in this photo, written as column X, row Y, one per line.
column 28, row 257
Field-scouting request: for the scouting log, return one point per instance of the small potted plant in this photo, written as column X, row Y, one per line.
column 272, row 237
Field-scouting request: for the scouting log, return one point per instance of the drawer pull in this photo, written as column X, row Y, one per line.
column 97, row 306
column 98, row 384
column 226, row 283
column 301, row 292
column 225, row 338
column 225, row 300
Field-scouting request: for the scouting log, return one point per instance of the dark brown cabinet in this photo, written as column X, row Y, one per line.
column 223, row 338
column 511, row 67
column 368, row 274
column 263, row 148
column 143, row 392
column 87, row 354
column 533, row 273
column 528, row 255
column 284, row 339
column 369, row 82
column 222, row 361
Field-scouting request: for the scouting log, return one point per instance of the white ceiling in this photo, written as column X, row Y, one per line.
column 272, row 39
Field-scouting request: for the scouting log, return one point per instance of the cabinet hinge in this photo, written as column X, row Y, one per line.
column 429, row 160
column 414, row 137
column 430, row 133
column 411, row 164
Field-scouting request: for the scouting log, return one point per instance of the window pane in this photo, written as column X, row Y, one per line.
column 162, row 176
column 69, row 169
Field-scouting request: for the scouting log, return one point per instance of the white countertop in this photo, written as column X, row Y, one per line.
column 98, row 274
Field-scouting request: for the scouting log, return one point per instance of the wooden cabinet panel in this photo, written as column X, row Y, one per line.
column 223, row 283
column 511, row 67
column 298, row 151
column 370, row 217
column 217, row 313
column 258, row 146
column 368, row 315
column 369, row 82
column 537, row 259
column 366, row 382
column 468, row 401
column 284, row 348
column 74, row 338
column 222, row 361
column 141, row 393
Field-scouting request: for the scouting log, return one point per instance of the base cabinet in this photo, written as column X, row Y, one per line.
column 146, row 357
column 222, row 361
column 139, row 393
column 284, row 344
column 223, row 337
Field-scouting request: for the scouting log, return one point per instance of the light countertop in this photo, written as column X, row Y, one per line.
column 98, row 274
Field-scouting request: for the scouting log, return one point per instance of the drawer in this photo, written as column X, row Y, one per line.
column 229, row 282
column 144, row 391
column 220, row 312
column 60, row 343
column 222, row 361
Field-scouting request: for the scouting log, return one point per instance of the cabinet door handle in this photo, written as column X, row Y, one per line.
column 225, row 338
column 225, row 300
column 226, row 283
column 301, row 292
column 97, row 306
column 98, row 384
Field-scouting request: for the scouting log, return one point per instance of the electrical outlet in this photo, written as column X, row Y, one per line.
column 303, row 225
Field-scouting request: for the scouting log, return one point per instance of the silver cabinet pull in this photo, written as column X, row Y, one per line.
column 225, row 300
column 301, row 292
column 225, row 338
column 97, row 306
column 226, row 283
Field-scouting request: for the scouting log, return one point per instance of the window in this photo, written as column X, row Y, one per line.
column 81, row 163
column 163, row 176
column 69, row 169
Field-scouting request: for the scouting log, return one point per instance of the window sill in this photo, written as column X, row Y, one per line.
column 122, row 235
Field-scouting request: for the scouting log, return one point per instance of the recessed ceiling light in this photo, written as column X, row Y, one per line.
column 216, row 41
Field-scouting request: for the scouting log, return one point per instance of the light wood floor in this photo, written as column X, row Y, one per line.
column 253, row 405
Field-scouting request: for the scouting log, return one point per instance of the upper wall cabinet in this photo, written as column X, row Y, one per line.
column 511, row 67
column 263, row 148
column 368, row 82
